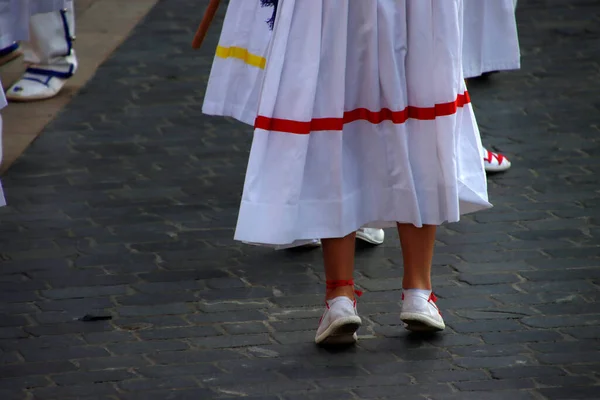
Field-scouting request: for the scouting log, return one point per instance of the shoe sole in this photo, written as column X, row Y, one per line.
column 497, row 168
column 421, row 323
column 366, row 238
column 18, row 99
column 340, row 332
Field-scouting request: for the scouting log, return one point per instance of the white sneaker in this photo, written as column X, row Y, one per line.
column 495, row 162
column 339, row 322
column 371, row 235
column 419, row 312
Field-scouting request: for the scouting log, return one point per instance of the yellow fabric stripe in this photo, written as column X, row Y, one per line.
column 241, row 54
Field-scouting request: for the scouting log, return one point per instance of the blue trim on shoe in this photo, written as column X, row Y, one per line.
column 17, row 88
column 7, row 50
column 50, row 73
column 45, row 83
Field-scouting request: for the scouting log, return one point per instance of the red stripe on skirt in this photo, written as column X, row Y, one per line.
column 374, row 117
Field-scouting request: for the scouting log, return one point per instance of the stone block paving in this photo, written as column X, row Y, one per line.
column 125, row 208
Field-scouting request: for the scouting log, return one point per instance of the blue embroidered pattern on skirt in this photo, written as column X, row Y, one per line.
column 270, row 3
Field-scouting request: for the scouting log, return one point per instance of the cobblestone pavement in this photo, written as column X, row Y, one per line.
column 125, row 208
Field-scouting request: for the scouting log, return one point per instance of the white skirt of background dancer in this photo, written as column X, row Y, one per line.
column 355, row 131
column 238, row 68
column 236, row 76
column 491, row 41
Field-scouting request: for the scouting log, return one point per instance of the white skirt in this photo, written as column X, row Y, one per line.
column 235, row 79
column 363, row 121
column 491, row 41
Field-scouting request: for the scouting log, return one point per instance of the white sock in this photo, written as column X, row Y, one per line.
column 421, row 292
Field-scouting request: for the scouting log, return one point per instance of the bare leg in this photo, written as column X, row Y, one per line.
column 417, row 251
column 419, row 312
column 340, row 321
column 338, row 257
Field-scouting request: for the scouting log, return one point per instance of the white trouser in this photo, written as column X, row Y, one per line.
column 15, row 16
column 50, row 49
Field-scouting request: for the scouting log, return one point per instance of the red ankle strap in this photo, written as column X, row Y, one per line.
column 336, row 284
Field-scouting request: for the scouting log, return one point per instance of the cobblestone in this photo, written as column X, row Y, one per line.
column 126, row 204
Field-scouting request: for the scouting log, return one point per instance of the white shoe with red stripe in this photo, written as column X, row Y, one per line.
column 419, row 312
column 495, row 162
column 339, row 322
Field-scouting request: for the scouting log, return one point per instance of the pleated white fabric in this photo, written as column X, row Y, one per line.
column 234, row 85
column 363, row 121
column 491, row 41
